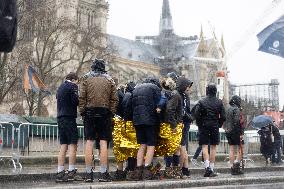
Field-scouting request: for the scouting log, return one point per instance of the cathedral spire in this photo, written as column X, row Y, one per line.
column 222, row 41
column 202, row 48
column 201, row 34
column 166, row 23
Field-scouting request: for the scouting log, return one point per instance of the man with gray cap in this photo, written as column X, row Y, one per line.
column 97, row 104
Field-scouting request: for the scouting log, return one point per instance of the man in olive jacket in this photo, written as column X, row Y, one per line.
column 97, row 104
column 234, row 132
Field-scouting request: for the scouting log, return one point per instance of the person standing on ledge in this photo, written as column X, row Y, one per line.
column 67, row 102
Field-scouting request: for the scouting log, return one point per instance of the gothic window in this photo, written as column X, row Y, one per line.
column 215, row 53
column 78, row 17
column 92, row 19
column 89, row 20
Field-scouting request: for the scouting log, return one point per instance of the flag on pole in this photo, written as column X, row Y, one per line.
column 31, row 81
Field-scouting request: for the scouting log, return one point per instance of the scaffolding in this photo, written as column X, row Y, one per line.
column 263, row 95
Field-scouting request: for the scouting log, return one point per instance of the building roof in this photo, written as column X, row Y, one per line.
column 139, row 51
column 134, row 50
column 188, row 50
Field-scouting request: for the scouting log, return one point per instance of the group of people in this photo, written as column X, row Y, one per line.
column 147, row 106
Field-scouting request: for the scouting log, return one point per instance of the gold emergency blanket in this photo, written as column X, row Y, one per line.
column 125, row 143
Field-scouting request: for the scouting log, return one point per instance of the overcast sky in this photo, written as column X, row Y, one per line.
column 232, row 18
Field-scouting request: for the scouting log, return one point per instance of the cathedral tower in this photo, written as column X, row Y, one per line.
column 166, row 23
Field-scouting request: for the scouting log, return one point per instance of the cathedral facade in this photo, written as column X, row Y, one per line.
column 195, row 57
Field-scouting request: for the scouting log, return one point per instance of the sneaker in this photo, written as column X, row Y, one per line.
column 73, row 176
column 89, row 177
column 237, row 169
column 135, row 175
column 119, row 175
column 185, row 172
column 208, row 172
column 105, row 177
column 147, row 173
column 233, row 171
column 61, row 177
column 213, row 174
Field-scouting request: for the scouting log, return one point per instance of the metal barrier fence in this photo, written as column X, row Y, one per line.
column 40, row 140
column 251, row 143
column 7, row 141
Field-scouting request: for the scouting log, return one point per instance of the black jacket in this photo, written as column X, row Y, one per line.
column 119, row 108
column 174, row 108
column 210, row 112
column 127, row 107
column 275, row 133
column 182, row 84
column 67, row 100
column 8, row 25
column 145, row 98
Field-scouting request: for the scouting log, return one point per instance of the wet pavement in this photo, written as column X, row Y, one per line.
column 248, row 180
column 43, row 177
column 250, row 186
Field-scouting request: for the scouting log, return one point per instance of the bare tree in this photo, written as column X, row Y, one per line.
column 48, row 37
column 90, row 44
column 10, row 65
column 250, row 110
column 48, row 41
column 8, row 76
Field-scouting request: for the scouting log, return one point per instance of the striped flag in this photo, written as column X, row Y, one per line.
column 31, row 81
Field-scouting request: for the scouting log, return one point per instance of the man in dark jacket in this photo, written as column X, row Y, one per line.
column 170, row 106
column 67, row 102
column 126, row 114
column 175, row 112
column 212, row 113
column 145, row 98
column 97, row 104
column 234, row 133
column 184, row 87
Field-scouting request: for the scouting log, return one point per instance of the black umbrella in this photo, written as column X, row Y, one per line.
column 261, row 121
column 271, row 39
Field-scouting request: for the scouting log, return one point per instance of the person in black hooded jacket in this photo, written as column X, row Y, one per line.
column 127, row 115
column 184, row 87
column 210, row 110
column 145, row 99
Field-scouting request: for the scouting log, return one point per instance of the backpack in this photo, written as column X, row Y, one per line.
column 265, row 141
column 8, row 25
